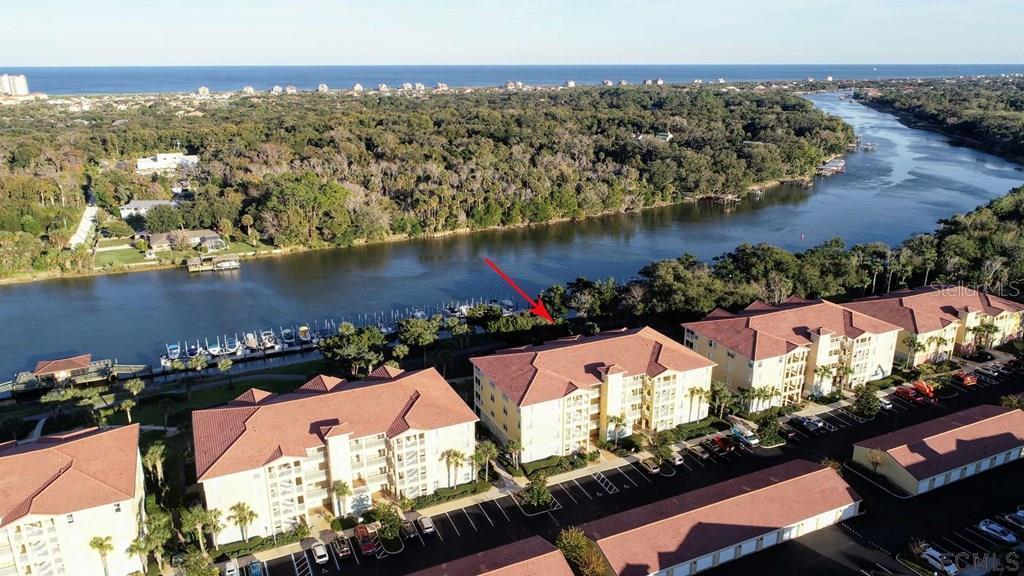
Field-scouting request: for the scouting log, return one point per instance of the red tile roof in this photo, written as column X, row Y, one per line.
column 64, row 473
column 46, row 367
column 932, row 307
column 943, row 444
column 533, row 556
column 679, row 529
column 764, row 331
column 533, row 374
column 259, row 427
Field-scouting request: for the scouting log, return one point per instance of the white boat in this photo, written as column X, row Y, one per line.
column 215, row 349
column 193, row 351
column 232, row 345
column 251, row 341
column 288, row 336
column 268, row 341
column 304, row 334
column 173, row 351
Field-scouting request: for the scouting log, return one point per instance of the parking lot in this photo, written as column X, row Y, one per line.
column 868, row 541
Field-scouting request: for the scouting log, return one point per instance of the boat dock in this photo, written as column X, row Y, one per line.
column 207, row 263
column 832, row 167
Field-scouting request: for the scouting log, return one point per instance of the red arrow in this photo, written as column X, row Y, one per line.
column 536, row 307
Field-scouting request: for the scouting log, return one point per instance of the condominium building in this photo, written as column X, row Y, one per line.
column 797, row 348
column 938, row 452
column 533, row 556
column 13, row 85
column 60, row 492
column 937, row 321
column 568, row 394
column 710, row 526
column 386, row 436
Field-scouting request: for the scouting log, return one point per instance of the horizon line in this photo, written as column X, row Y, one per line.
column 551, row 65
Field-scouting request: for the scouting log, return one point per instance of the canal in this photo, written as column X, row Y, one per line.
column 913, row 179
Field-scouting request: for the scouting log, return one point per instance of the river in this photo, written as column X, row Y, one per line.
column 913, row 179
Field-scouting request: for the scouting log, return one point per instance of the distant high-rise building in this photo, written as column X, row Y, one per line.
column 13, row 85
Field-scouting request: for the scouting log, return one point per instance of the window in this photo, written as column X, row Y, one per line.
column 117, row 507
column 70, row 518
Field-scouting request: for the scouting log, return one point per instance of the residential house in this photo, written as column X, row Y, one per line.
column 569, row 394
column 63, row 490
column 776, row 354
column 710, row 526
column 938, row 321
column 165, row 163
column 931, row 454
column 139, row 208
column 164, row 241
column 533, row 556
column 391, row 435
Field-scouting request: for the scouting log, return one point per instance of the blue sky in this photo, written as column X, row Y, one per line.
column 210, row 32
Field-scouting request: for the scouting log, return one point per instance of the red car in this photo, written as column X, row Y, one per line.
column 965, row 378
column 366, row 536
column 924, row 389
column 906, row 393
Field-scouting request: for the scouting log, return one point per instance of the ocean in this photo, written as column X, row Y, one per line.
column 163, row 79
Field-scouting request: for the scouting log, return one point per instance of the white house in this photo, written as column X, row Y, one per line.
column 165, row 163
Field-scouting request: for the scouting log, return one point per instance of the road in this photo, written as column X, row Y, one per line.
column 863, row 545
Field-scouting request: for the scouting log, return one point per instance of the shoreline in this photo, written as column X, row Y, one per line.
column 33, row 277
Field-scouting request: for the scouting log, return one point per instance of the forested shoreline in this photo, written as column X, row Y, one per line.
column 325, row 170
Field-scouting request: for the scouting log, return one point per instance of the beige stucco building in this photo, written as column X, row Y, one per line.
column 929, row 455
column 385, row 437
column 797, row 348
column 937, row 321
column 61, row 491
column 566, row 395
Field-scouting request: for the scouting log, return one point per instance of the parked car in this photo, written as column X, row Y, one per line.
column 723, row 444
column 746, row 437
column 811, row 424
column 1016, row 519
column 231, row 568
column 787, row 431
column 409, row 531
column 320, row 555
column 366, row 538
column 941, row 562
column 650, row 465
column 964, row 378
column 885, row 403
column 909, row 394
column 342, row 549
column 698, row 452
column 997, row 531
column 678, row 458
column 712, row 447
column 981, row 356
column 255, row 568
column 924, row 389
column 426, row 524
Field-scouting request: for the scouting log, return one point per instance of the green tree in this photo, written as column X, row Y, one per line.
column 198, row 564
column 103, row 545
column 419, row 332
column 135, row 386
column 195, row 519
column 484, row 453
column 153, row 461
column 453, row 459
column 242, row 516
column 617, row 423
column 356, row 350
column 536, row 493
column 390, row 521
column 162, row 219
column 127, row 405
column 224, row 366
column 866, row 403
column 139, row 547
column 514, row 450
column 341, row 491
column 573, row 543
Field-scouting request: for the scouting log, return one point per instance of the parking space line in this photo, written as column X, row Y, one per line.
column 471, row 523
column 837, row 415
column 418, row 535
column 976, row 532
column 500, row 509
column 972, row 542
column 884, row 569
column 352, row 548
column 685, row 465
column 479, row 504
column 568, row 493
column 623, row 472
column 955, row 545
column 640, row 472
column 585, row 493
column 457, row 533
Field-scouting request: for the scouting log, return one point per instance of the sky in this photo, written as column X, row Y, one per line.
column 365, row 32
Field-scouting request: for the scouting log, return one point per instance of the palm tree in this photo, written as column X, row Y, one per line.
column 224, row 366
column 486, row 451
column 719, row 396
column 341, row 491
column 198, row 363
column 140, row 548
column 165, row 404
column 177, row 365
column 135, row 386
column 194, row 520
column 514, row 449
column 453, row 458
column 983, row 334
column 914, row 345
column 697, row 395
column 103, row 545
column 213, row 525
column 153, row 461
column 243, row 517
column 617, row 423
column 127, row 405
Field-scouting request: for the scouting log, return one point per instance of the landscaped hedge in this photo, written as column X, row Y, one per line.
column 340, row 523
column 446, row 494
column 258, row 543
column 557, row 464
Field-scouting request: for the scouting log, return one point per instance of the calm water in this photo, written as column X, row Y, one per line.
column 912, row 180
column 121, row 80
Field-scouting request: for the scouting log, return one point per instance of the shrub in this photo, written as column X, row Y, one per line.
column 867, row 403
column 450, row 493
column 340, row 523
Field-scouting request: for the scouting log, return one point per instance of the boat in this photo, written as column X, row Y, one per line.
column 268, row 341
column 193, row 351
column 304, row 335
column 232, row 345
column 251, row 342
column 215, row 349
column 288, row 336
column 419, row 314
column 173, row 351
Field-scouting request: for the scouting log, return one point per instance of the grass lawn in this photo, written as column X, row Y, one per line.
column 127, row 256
column 300, row 368
column 111, row 242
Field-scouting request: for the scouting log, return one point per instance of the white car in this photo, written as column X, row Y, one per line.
column 677, row 457
column 1015, row 518
column 885, row 403
column 997, row 531
column 231, row 568
column 941, row 562
column 320, row 555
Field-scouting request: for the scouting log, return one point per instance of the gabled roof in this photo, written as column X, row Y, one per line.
column 657, row 536
column 259, row 427
column 764, row 330
column 64, row 473
column 534, row 374
column 931, row 308
column 943, row 444
column 533, row 556
column 46, row 367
